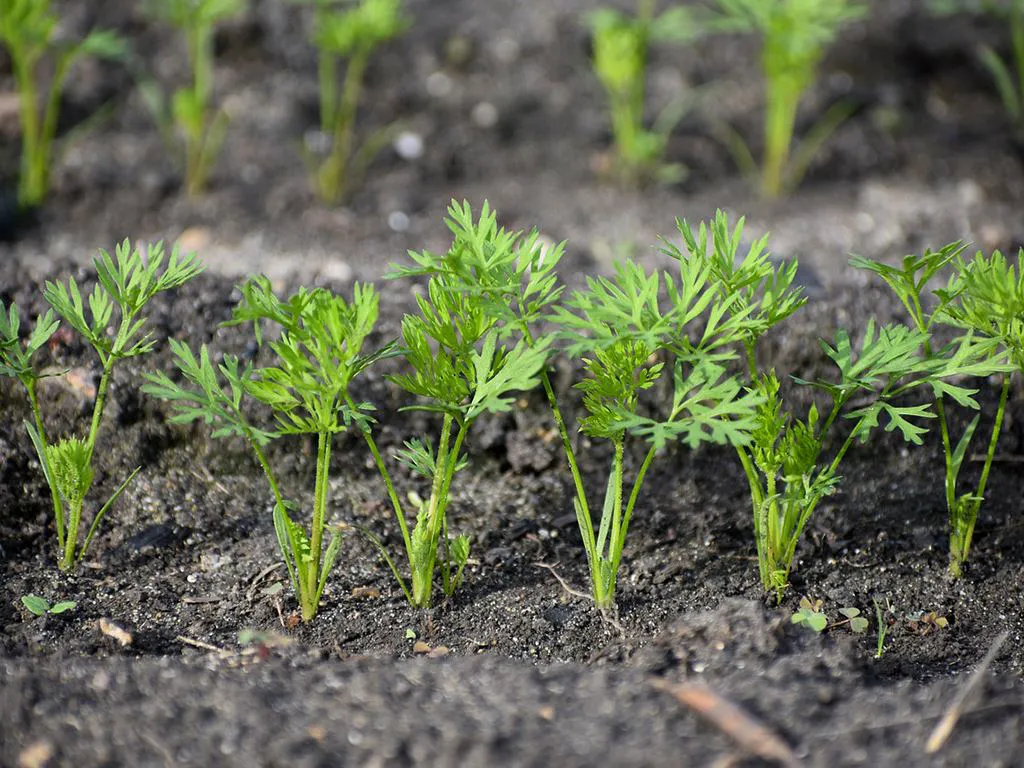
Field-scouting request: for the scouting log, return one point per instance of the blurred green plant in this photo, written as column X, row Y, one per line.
column 188, row 112
column 316, row 357
column 794, row 36
column 1007, row 73
column 126, row 284
column 30, row 31
column 342, row 30
column 621, row 47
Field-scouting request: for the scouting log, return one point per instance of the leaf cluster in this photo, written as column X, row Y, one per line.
column 127, row 283
column 364, row 25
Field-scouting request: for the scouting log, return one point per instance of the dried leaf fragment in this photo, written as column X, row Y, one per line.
column 110, row 629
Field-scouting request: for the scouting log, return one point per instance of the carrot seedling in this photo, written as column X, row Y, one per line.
column 984, row 299
column 466, row 356
column 126, row 285
column 354, row 33
column 621, row 47
column 794, row 36
column 201, row 127
column 316, row 356
column 29, row 30
column 627, row 330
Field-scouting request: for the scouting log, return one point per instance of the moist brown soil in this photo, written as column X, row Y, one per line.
column 516, row 668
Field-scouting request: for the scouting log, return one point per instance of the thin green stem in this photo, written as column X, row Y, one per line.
column 323, row 460
column 619, row 543
column 37, row 416
column 23, row 63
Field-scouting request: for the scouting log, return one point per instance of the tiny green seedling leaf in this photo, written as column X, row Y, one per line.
column 40, row 606
column 809, row 615
column 857, row 623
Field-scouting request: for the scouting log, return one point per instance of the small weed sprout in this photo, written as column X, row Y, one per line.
column 852, row 619
column 810, row 615
column 317, row 355
column 627, row 329
column 795, row 34
column 985, row 299
column 468, row 349
column 125, row 284
column 621, row 46
column 40, row 606
column 884, row 618
column 29, row 30
column 354, row 33
column 201, row 126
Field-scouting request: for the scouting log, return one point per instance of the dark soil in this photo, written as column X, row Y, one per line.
column 515, row 669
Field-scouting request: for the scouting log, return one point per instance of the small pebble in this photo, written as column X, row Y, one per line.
column 439, row 85
column 398, row 221
column 485, row 114
column 409, row 145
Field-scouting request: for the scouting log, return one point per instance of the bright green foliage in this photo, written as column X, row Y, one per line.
column 317, row 355
column 200, row 126
column 621, row 47
column 29, row 33
column 627, row 329
column 40, row 606
column 467, row 350
column 884, row 618
column 1007, row 74
column 795, row 34
column 782, row 459
column 984, row 299
column 125, row 285
column 353, row 32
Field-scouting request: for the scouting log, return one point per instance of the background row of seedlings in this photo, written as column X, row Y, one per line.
column 487, row 326
column 794, row 35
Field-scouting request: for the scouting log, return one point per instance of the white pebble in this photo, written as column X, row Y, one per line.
column 439, row 85
column 409, row 145
column 398, row 221
column 485, row 114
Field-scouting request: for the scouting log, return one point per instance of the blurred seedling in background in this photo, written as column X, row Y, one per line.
column 621, row 52
column 125, row 284
column 40, row 606
column 1007, row 73
column 316, row 356
column 30, row 32
column 189, row 112
column 336, row 160
column 794, row 35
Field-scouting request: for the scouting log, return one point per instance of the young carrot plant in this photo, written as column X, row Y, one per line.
column 794, row 36
column 466, row 357
column 202, row 127
column 621, row 46
column 627, row 329
column 126, row 285
column 354, row 33
column 29, row 32
column 983, row 298
column 317, row 355
column 784, row 464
